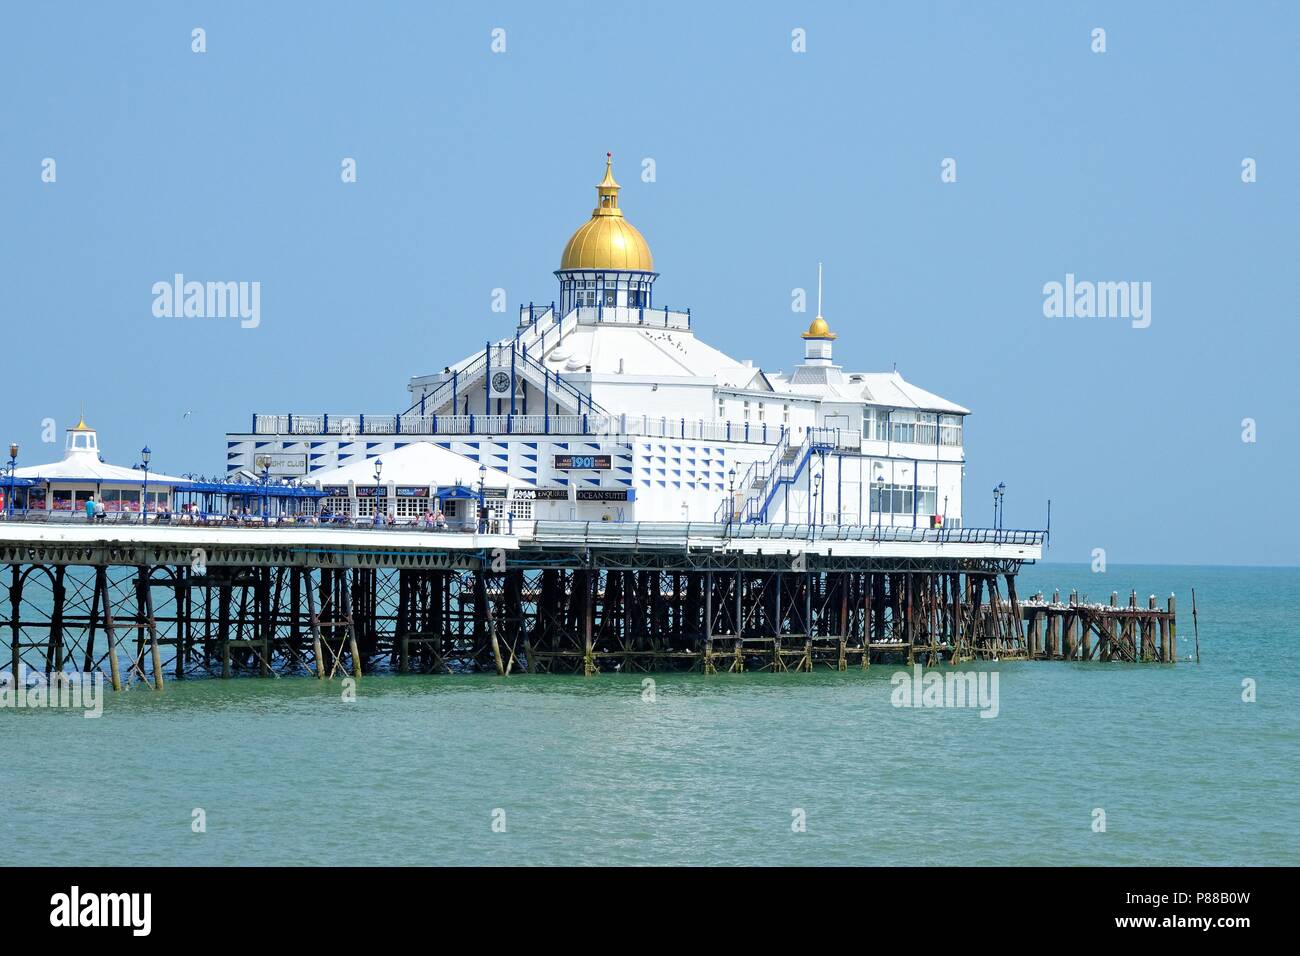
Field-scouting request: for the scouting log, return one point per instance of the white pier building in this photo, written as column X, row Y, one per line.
column 607, row 406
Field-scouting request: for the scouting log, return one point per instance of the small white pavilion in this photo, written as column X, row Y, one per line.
column 68, row 484
column 417, row 479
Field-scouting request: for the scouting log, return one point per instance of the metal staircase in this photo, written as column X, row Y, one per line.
column 546, row 331
column 761, row 482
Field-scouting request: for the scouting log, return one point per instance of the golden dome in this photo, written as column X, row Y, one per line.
column 607, row 240
column 81, row 426
column 819, row 330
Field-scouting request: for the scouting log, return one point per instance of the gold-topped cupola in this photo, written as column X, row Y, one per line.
column 606, row 263
column 818, row 338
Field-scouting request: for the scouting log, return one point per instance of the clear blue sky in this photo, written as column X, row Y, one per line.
column 474, row 167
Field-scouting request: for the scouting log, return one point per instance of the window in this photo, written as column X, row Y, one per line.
column 950, row 430
column 722, row 409
column 927, row 428
column 336, row 505
column 785, row 413
column 762, row 406
column 746, row 411
column 898, row 499
column 611, row 298
column 522, row 508
column 412, row 507
column 903, row 425
column 880, row 416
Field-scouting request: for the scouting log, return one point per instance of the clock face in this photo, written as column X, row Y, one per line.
column 501, row 382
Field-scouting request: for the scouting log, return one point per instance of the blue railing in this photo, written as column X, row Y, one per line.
column 648, row 533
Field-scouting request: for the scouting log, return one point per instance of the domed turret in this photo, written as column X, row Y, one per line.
column 606, row 263
column 818, row 338
column 81, row 440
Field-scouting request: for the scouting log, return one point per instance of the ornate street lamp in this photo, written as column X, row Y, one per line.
column 731, row 497
column 13, row 463
column 880, row 502
column 482, row 498
column 145, row 455
column 264, row 462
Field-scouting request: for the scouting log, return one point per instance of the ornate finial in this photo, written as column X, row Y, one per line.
column 608, row 181
column 607, row 191
column 819, row 329
column 819, row 290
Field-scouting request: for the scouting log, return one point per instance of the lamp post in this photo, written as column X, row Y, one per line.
column 482, row 498
column 880, row 503
column 13, row 463
column 998, row 492
column 731, row 497
column 264, row 462
column 379, row 470
column 817, row 488
column 145, row 455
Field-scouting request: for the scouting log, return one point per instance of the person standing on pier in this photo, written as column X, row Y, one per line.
column 90, row 509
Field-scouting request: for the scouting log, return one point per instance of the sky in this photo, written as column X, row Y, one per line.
column 474, row 165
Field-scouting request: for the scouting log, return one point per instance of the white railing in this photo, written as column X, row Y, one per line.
column 643, row 426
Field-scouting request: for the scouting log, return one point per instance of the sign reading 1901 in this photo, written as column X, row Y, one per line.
column 582, row 462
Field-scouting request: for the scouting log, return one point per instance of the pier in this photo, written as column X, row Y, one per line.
column 147, row 604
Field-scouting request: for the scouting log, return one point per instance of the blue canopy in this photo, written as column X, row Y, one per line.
column 238, row 488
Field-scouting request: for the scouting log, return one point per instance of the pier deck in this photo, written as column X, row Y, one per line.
column 151, row 602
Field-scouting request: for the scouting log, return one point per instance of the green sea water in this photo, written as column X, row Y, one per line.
column 714, row 770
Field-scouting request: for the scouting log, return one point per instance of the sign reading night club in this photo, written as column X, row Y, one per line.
column 582, row 462
column 282, row 464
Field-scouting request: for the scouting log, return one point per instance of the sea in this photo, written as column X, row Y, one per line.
column 1084, row 764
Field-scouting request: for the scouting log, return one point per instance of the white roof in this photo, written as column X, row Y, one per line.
column 610, row 349
column 419, row 463
column 878, row 388
column 86, row 466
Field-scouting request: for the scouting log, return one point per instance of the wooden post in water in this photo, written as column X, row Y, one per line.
column 114, row 666
column 1173, row 630
column 351, row 625
column 1108, row 629
column 868, row 586
column 708, row 624
column 588, row 620
column 1196, row 628
column 146, row 598
column 1054, row 628
column 314, row 621
column 15, row 623
column 1160, row 626
column 843, row 663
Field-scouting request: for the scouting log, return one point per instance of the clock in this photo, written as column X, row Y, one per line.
column 501, row 382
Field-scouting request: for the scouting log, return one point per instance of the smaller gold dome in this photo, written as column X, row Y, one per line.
column 819, row 330
column 607, row 240
column 81, row 426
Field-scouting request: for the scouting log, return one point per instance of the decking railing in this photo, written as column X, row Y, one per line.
column 645, row 426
